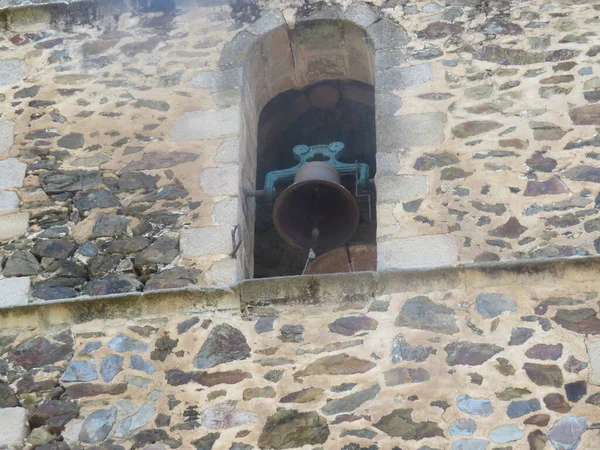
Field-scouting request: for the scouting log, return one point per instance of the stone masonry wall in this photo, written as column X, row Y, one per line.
column 120, row 132
column 462, row 360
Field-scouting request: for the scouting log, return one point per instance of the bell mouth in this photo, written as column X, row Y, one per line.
column 317, row 214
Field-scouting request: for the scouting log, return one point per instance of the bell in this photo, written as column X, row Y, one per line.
column 316, row 211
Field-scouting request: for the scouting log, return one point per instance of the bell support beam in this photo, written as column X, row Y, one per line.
column 305, row 154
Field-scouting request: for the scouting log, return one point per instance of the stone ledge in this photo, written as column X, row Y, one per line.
column 13, row 4
column 261, row 296
column 135, row 304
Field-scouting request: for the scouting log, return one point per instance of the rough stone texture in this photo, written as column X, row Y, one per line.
column 108, row 107
column 401, row 188
column 7, row 136
column 8, row 201
column 593, row 348
column 13, row 226
column 289, row 429
column 223, row 344
column 15, row 427
column 12, row 71
column 205, row 241
column 412, row 130
column 417, row 252
column 469, row 353
column 12, row 172
column 492, row 305
column 423, row 314
column 566, row 432
column 98, row 425
column 198, row 125
column 15, row 291
column 365, row 383
column 153, row 106
column 220, row 181
column 400, row 424
column 474, row 406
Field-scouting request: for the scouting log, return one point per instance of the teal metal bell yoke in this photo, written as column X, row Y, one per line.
column 315, row 211
column 325, row 153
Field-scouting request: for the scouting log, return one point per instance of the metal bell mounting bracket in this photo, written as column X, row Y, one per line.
column 305, row 154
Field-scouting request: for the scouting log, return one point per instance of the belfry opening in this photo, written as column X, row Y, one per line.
column 316, row 156
column 311, row 195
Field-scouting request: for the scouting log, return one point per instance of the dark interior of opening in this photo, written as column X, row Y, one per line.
column 319, row 114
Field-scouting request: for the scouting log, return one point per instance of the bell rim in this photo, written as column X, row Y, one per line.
column 281, row 197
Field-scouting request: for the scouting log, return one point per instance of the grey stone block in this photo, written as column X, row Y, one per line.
column 324, row 12
column 400, row 188
column 268, row 21
column 234, row 52
column 388, row 34
column 228, row 151
column 8, row 201
column 387, row 104
column 227, row 98
column 387, row 163
column 217, row 80
column 362, row 14
column 417, row 252
column 196, row 242
column 593, row 348
column 12, row 71
column 13, row 225
column 411, row 130
column 226, row 212
column 15, row 292
column 402, row 77
column 223, row 273
column 391, row 57
column 207, row 124
column 7, row 136
column 12, row 173
column 220, row 180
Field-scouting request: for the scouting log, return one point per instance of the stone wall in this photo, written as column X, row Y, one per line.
column 121, row 133
column 504, row 358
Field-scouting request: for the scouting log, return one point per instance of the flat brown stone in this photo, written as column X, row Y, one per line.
column 303, row 396
column 540, row 420
column 81, row 390
column 475, row 127
column 291, row 429
column 544, row 375
column 347, row 326
column 586, row 115
column 552, row 186
column 404, row 375
column 39, row 352
column 546, row 131
column 342, row 364
column 537, row 440
column 556, row 402
column 470, row 353
column 214, row 378
column 545, row 351
column 176, row 377
column 584, row 320
column 399, row 423
column 438, row 30
column 557, row 79
column 512, row 229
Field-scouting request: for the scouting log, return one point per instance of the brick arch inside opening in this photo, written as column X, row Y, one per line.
column 280, row 71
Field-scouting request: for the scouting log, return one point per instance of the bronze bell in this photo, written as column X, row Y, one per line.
column 316, row 211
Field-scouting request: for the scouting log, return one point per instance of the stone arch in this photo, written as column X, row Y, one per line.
column 284, row 59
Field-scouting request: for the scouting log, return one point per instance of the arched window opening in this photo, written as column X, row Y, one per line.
column 335, row 111
column 308, row 128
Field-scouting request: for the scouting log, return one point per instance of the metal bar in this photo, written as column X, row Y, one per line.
column 259, row 193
